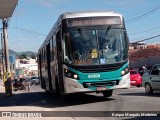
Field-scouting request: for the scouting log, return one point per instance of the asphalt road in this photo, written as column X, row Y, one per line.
column 133, row 99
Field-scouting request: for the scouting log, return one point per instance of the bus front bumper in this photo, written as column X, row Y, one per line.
column 74, row 86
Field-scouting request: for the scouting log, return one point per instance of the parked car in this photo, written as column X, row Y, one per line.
column 34, row 80
column 151, row 80
column 135, row 78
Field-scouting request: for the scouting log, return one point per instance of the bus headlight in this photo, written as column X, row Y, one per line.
column 70, row 74
column 122, row 72
column 125, row 71
column 75, row 76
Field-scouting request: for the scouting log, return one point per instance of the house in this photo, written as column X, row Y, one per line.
column 26, row 67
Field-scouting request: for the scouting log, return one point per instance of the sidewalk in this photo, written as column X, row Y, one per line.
column 1, row 83
column 2, row 91
column 13, row 107
column 2, row 88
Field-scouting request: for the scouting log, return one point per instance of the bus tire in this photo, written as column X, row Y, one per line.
column 107, row 93
column 42, row 83
column 57, row 86
column 44, row 87
column 47, row 92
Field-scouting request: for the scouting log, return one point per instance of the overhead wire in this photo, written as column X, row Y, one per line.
column 149, row 38
column 145, row 30
column 19, row 28
column 29, row 31
column 149, row 11
column 143, row 15
column 153, row 9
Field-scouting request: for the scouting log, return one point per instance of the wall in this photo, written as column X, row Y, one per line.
column 152, row 60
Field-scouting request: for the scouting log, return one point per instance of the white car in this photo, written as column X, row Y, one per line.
column 34, row 80
column 151, row 80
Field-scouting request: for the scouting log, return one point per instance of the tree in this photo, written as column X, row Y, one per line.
column 23, row 56
column 33, row 56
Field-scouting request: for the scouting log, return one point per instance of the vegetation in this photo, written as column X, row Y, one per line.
column 33, row 56
column 23, row 56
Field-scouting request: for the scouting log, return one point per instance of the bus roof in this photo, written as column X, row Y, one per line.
column 88, row 14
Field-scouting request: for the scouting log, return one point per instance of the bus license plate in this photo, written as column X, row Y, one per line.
column 101, row 88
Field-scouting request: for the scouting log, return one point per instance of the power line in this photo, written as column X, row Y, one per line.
column 147, row 38
column 145, row 30
column 143, row 15
column 29, row 31
column 154, row 9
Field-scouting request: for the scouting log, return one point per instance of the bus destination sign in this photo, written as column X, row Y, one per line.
column 94, row 21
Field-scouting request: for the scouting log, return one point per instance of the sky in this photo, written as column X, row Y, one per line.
column 33, row 19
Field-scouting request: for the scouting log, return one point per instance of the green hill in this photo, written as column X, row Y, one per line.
column 27, row 53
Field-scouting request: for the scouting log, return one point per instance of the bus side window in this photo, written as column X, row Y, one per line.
column 51, row 48
column 58, row 40
column 54, row 47
column 59, row 46
column 43, row 57
column 52, row 51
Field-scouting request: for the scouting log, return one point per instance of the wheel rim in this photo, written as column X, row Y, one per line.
column 148, row 88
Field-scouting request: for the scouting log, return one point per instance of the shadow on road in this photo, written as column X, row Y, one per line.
column 41, row 99
column 141, row 94
column 143, row 118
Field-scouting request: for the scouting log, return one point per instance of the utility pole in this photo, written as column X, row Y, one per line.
column 7, row 75
column 2, row 50
column 7, row 8
column 5, row 37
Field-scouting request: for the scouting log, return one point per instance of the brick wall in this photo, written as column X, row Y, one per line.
column 135, row 54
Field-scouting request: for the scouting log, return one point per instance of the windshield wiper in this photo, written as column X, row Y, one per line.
column 80, row 31
column 105, row 35
column 81, row 34
column 86, row 39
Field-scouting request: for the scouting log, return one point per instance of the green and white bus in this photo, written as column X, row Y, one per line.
column 84, row 52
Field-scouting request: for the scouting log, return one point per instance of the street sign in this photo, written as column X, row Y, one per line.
column 12, row 59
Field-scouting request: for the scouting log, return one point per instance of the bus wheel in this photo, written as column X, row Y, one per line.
column 107, row 93
column 43, row 84
column 47, row 92
column 148, row 88
column 57, row 86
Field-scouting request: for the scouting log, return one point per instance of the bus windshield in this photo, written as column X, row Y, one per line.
column 95, row 46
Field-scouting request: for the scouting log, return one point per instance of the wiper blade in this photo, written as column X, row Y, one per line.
column 80, row 31
column 81, row 34
column 105, row 35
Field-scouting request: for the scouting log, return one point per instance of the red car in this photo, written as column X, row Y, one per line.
column 136, row 78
